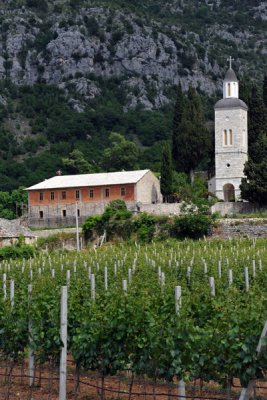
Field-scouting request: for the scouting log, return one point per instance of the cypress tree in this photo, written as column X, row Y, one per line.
column 193, row 140
column 166, row 172
column 264, row 91
column 254, row 186
column 177, row 119
column 256, row 120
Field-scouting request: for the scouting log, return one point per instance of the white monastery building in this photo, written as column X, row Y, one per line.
column 231, row 140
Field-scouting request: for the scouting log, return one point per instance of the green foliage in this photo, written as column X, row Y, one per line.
column 193, row 223
column 11, row 204
column 195, row 192
column 212, row 338
column 122, row 155
column 257, row 120
column 191, row 139
column 254, row 186
column 59, row 130
column 93, row 223
column 166, row 172
column 17, row 251
column 146, row 226
column 39, row 5
column 76, row 163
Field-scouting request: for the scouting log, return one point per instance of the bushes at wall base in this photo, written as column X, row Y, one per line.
column 93, row 224
column 19, row 251
column 193, row 226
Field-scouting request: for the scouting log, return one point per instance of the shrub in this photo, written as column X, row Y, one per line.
column 192, row 225
column 145, row 233
column 145, row 225
column 17, row 251
column 94, row 223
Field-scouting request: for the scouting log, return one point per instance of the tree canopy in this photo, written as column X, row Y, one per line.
column 121, row 155
column 191, row 139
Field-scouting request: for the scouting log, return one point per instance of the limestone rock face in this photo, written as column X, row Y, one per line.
column 99, row 43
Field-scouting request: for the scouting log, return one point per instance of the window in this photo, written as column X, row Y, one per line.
column 78, row 212
column 41, row 214
column 41, row 196
column 52, row 195
column 64, row 213
column 123, row 191
column 225, row 137
column 64, row 195
column 107, row 192
column 229, row 89
column 77, row 194
column 91, row 193
column 230, row 137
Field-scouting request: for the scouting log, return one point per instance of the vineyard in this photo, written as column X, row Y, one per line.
column 171, row 311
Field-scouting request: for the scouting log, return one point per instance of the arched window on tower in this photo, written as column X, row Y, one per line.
column 229, row 89
column 230, row 137
column 225, row 137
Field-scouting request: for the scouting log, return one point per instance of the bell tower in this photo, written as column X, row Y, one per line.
column 231, row 139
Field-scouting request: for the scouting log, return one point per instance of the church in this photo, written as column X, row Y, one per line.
column 231, row 140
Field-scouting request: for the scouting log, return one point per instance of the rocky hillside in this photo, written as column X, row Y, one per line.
column 71, row 71
column 150, row 47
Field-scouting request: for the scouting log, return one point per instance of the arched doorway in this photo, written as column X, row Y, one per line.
column 229, row 192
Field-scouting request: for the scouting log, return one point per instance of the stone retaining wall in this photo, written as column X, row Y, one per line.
column 235, row 228
column 230, row 208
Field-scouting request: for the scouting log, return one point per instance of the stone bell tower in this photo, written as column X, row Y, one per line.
column 231, row 139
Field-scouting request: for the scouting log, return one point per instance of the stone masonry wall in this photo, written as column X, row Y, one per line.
column 236, row 228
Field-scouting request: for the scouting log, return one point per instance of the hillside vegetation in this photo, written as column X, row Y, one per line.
column 71, row 72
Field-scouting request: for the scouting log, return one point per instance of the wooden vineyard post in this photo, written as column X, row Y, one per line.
column 212, row 285
column 106, row 278
column 246, row 279
column 12, row 290
column 124, row 285
column 31, row 355
column 63, row 337
column 230, row 277
column 261, row 346
column 246, row 392
column 77, row 227
column 178, row 303
column 93, row 286
column 178, row 294
column 4, row 285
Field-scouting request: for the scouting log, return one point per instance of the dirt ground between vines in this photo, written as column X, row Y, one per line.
column 46, row 387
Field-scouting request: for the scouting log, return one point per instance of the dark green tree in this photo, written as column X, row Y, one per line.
column 245, row 86
column 166, row 172
column 76, row 163
column 264, row 91
column 193, row 140
column 256, row 120
column 254, row 186
column 121, row 155
column 177, row 119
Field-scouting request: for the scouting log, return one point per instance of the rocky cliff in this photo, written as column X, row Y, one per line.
column 73, row 44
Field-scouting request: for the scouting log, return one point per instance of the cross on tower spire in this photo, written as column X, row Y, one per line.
column 230, row 59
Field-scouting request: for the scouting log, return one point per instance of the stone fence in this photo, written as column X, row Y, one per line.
column 239, row 207
column 236, row 228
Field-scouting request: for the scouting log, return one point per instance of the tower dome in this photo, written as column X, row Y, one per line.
column 230, row 85
column 230, row 76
